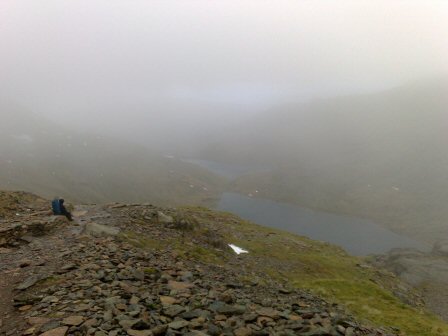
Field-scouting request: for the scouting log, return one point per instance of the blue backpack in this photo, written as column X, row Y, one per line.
column 56, row 206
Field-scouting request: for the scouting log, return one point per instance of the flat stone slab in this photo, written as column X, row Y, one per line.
column 167, row 300
column 73, row 320
column 31, row 281
column 61, row 331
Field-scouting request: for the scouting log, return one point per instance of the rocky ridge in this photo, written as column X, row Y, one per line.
column 97, row 276
column 425, row 271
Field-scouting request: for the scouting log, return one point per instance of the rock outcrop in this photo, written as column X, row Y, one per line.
column 427, row 272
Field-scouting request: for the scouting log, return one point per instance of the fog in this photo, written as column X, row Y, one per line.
column 337, row 106
column 327, row 119
column 160, row 72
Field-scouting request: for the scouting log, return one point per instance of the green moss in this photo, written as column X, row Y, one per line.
column 204, row 255
column 150, row 270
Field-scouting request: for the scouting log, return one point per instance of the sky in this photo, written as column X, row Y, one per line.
column 108, row 62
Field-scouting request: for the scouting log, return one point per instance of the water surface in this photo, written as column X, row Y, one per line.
column 356, row 235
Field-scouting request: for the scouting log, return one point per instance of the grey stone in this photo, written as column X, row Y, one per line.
column 50, row 325
column 193, row 314
column 178, row 324
column 30, row 281
column 223, row 308
column 173, row 310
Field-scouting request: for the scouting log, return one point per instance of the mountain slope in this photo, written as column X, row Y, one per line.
column 145, row 270
column 39, row 156
column 378, row 156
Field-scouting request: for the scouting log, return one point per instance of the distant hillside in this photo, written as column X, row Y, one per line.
column 38, row 156
column 379, row 156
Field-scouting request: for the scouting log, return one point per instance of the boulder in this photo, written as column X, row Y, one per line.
column 164, row 219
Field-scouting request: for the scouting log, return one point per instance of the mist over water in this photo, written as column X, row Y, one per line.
column 357, row 236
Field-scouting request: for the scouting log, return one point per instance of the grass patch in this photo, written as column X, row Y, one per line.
column 369, row 302
column 141, row 241
column 150, row 270
column 204, row 255
column 300, row 262
column 330, row 272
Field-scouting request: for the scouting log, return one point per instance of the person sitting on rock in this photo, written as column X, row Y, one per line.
column 59, row 209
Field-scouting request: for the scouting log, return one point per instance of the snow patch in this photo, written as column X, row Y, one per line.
column 237, row 250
